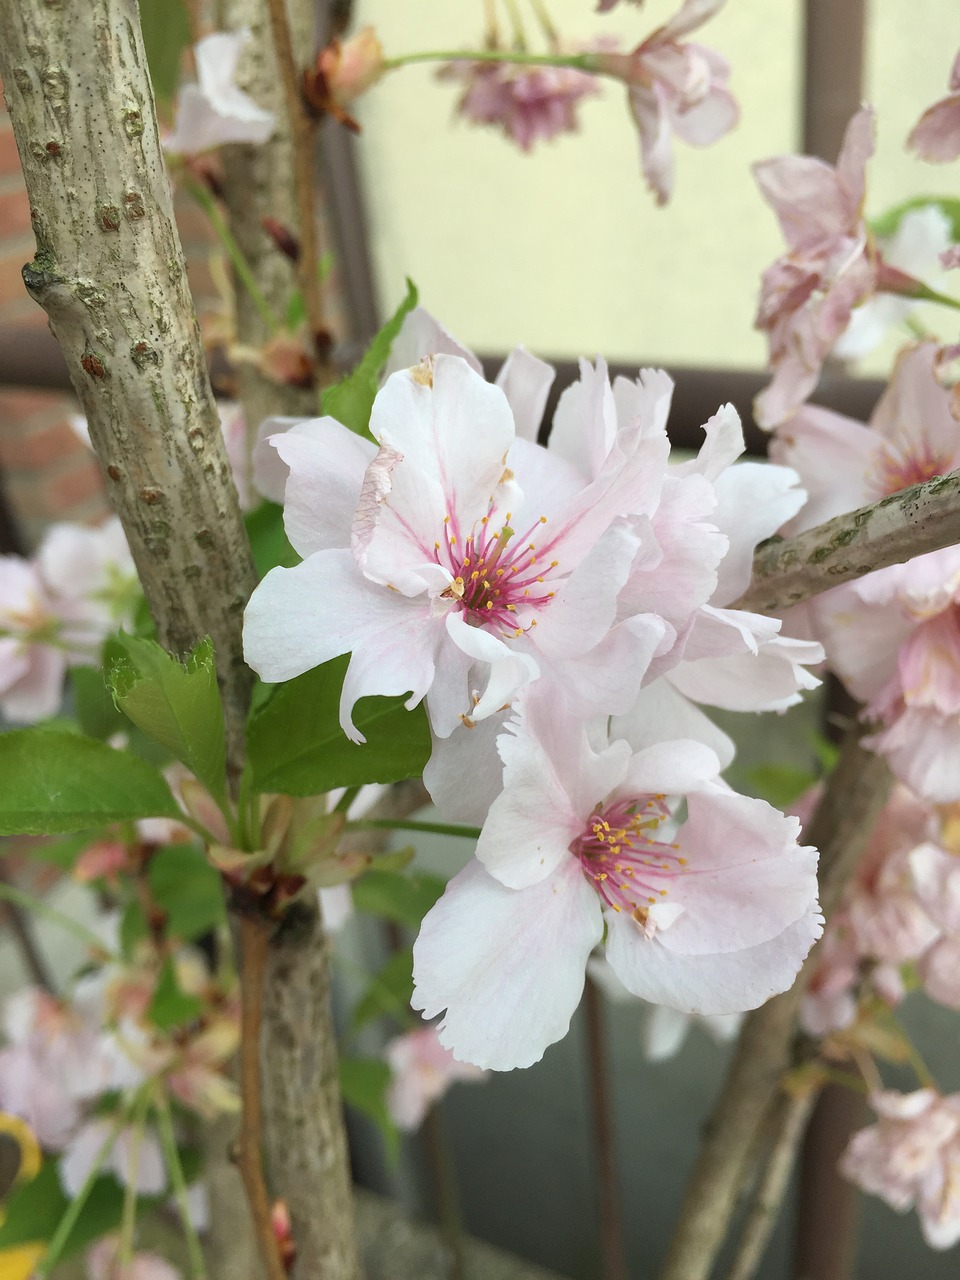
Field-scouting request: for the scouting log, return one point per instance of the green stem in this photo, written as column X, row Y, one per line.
column 9, row 894
column 546, row 22
column 172, row 1157
column 519, row 35
column 580, row 61
column 128, row 1222
column 923, row 293
column 75, row 1208
column 347, row 799
column 432, row 828
column 233, row 251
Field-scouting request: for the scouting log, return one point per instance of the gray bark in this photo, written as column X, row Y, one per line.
column 109, row 272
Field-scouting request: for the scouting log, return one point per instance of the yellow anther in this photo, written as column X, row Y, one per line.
column 543, row 519
column 682, row 861
column 501, row 572
column 436, row 546
column 512, row 608
column 519, row 631
column 489, row 604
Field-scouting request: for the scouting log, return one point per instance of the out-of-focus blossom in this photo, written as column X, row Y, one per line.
column 422, row 1072
column 936, row 880
column 911, row 1157
column 529, row 103
column 214, row 111
column 32, row 662
column 135, row 1158
column 711, row 915
column 915, row 248
column 675, row 87
column 808, row 295
column 343, row 71
column 936, row 135
column 103, row 1263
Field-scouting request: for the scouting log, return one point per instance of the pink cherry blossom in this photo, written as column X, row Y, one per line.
column 31, row 667
column 103, row 1264
column 712, row 915
column 133, row 1158
column 529, row 103
column 675, row 87
column 92, row 581
column 936, row 883
column 422, row 1072
column 214, row 111
column 936, row 135
column 911, row 1157
column 464, row 559
column 808, row 295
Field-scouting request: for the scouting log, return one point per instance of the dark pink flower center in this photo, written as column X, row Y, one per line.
column 899, row 467
column 622, row 858
column 498, row 576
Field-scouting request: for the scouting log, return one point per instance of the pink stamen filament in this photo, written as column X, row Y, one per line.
column 620, row 856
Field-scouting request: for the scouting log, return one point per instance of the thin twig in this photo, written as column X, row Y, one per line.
column 789, row 1124
column 168, row 1141
column 8, row 893
column 302, row 131
column 825, row 1230
column 925, row 517
column 444, row 1179
column 254, row 940
column 604, row 1146
column 30, row 953
column 842, row 825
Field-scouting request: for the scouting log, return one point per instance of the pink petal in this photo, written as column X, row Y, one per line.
column 325, row 458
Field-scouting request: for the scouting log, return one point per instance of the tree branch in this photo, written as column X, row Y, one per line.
column 842, row 825
column 925, row 517
column 109, row 272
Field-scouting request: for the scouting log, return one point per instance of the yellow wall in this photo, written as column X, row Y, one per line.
column 564, row 250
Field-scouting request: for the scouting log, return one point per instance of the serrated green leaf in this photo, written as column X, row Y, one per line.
column 405, row 899
column 388, row 992
column 887, row 223
column 35, row 1209
column 268, row 538
column 94, row 705
column 295, row 744
column 56, row 782
column 170, row 1006
column 351, row 399
column 364, row 1083
column 187, row 888
column 176, row 703
column 166, row 33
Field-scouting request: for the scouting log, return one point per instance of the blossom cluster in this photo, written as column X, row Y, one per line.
column 561, row 611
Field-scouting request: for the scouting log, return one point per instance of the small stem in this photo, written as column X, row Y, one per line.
column 398, row 824
column 546, row 23
column 302, row 131
column 9, row 894
column 128, row 1223
column 493, row 29
column 346, row 800
column 171, row 1155
column 788, row 1128
column 923, row 293
column 75, row 1208
column 920, row 1068
column 445, row 1186
column 254, row 940
column 519, row 35
column 580, row 61
column 604, row 1144
column 30, row 953
column 233, row 251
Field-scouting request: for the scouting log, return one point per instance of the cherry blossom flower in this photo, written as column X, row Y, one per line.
column 465, row 560
column 936, row 883
column 808, row 295
column 134, row 1158
column 103, row 1263
column 529, row 103
column 422, row 1072
column 936, row 135
column 214, row 111
column 675, row 87
column 915, row 249
column 911, row 1157
column 710, row 915
column 343, row 71
column 31, row 670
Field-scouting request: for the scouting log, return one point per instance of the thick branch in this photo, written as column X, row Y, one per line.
column 843, row 823
column 110, row 274
column 923, row 518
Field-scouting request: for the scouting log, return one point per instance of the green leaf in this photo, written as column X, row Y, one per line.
column 55, row 781
column 170, row 1006
column 351, row 399
column 364, row 1083
column 389, row 991
column 188, row 889
column 94, row 705
column 166, row 33
column 133, row 929
column 295, row 744
column 175, row 703
column 887, row 223
column 268, row 538
column 405, row 899
column 34, row 1211
column 779, row 784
